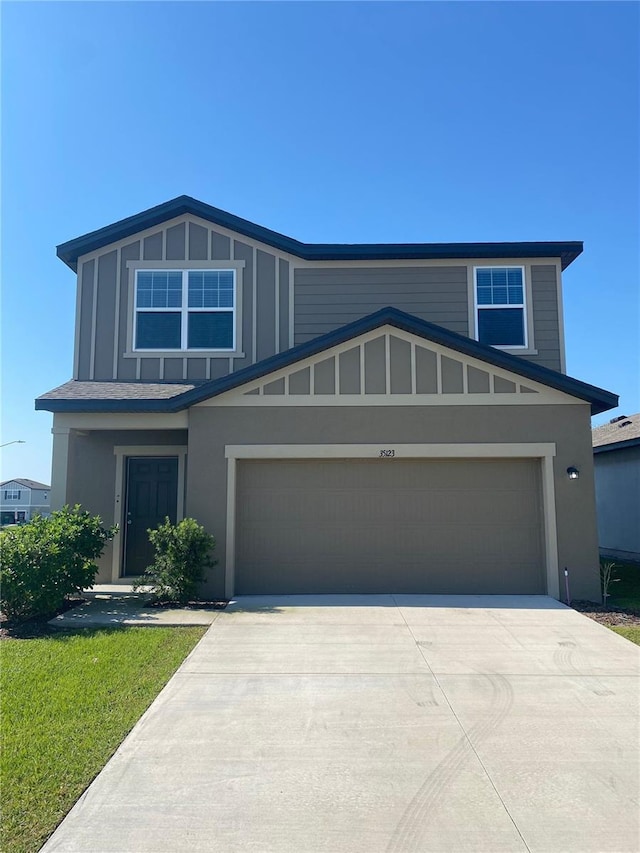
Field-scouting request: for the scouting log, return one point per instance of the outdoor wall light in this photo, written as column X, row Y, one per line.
column 572, row 473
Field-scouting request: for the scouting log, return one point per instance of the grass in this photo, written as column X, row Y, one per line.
column 67, row 702
column 626, row 592
column 631, row 632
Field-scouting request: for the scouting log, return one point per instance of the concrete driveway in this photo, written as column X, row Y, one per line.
column 353, row 724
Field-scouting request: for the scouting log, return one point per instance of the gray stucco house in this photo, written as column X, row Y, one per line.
column 21, row 499
column 344, row 418
column 616, row 452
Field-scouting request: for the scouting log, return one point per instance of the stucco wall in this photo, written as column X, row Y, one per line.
column 92, row 464
column 617, row 477
column 568, row 426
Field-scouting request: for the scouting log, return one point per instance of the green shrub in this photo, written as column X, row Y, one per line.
column 47, row 559
column 182, row 553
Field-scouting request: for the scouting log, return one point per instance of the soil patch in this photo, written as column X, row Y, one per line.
column 29, row 629
column 190, row 605
column 610, row 616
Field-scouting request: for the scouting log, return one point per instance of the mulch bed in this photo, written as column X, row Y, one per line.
column 190, row 605
column 609, row 615
column 30, row 629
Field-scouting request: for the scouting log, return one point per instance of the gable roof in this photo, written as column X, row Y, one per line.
column 65, row 400
column 619, row 433
column 70, row 251
column 28, row 484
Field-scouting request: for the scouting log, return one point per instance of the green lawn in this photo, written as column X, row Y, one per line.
column 626, row 592
column 67, row 702
column 632, row 632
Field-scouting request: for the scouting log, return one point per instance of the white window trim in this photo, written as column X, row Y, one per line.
column 185, row 310
column 172, row 266
column 524, row 305
column 12, row 494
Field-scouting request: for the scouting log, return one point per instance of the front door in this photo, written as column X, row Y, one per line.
column 152, row 495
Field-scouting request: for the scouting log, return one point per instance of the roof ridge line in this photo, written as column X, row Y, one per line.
column 70, row 251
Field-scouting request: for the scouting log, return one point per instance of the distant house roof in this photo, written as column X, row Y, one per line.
column 70, row 251
column 75, row 396
column 28, row 484
column 621, row 432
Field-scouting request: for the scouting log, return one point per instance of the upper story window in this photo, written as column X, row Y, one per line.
column 185, row 310
column 500, row 307
column 12, row 494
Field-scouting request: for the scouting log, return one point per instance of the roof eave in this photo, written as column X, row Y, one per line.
column 46, row 404
column 617, row 445
column 70, row 251
column 599, row 399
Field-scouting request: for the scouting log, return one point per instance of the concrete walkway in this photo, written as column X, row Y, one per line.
column 110, row 605
column 382, row 723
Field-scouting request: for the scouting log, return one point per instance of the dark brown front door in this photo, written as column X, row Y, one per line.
column 152, row 495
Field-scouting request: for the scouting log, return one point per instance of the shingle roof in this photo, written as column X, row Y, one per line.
column 79, row 390
column 620, row 432
column 28, row 484
column 95, row 396
column 70, row 251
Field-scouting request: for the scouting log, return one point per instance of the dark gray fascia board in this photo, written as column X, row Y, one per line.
column 617, row 445
column 46, row 404
column 70, row 251
column 600, row 400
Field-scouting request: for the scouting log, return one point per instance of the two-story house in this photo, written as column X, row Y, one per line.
column 21, row 499
column 344, row 418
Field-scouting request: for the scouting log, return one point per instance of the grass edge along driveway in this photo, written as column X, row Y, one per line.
column 631, row 632
column 67, row 702
column 625, row 593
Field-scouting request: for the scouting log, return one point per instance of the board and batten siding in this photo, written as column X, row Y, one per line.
column 327, row 298
column 546, row 321
column 283, row 301
column 104, row 303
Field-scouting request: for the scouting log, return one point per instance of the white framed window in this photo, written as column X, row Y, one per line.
column 185, row 310
column 12, row 494
column 500, row 307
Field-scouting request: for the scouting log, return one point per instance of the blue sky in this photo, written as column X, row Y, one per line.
column 342, row 122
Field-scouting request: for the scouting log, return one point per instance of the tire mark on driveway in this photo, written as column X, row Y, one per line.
column 564, row 659
column 410, row 831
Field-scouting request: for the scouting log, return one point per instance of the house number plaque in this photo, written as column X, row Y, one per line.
column 386, row 454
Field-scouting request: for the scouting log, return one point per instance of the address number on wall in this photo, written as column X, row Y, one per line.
column 386, row 454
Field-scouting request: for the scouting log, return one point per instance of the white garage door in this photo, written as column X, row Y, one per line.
column 389, row 525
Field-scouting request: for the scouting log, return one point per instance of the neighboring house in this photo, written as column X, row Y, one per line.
column 21, row 499
column 344, row 418
column 616, row 450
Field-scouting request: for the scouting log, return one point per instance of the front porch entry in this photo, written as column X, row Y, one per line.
column 151, row 496
column 149, row 486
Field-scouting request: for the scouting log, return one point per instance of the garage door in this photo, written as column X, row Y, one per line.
column 389, row 525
